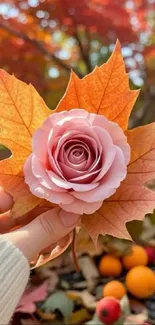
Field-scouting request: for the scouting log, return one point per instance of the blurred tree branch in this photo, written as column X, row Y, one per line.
column 40, row 47
column 84, row 54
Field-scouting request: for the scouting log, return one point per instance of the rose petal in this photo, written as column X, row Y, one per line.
column 65, row 159
column 40, row 137
column 39, row 144
column 77, row 113
column 69, row 135
column 90, row 165
column 69, row 172
column 80, row 207
column 109, row 183
column 87, row 177
column 108, row 152
column 68, row 185
column 53, row 156
column 80, row 115
column 115, row 131
column 40, row 191
column 41, row 174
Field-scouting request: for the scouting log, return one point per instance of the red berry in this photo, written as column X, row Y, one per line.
column 150, row 253
column 108, row 310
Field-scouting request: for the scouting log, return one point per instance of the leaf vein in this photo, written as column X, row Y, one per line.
column 107, row 82
column 16, row 106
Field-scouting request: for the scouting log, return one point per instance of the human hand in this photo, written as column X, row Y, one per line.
column 39, row 234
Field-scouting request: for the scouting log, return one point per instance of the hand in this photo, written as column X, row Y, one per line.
column 39, row 234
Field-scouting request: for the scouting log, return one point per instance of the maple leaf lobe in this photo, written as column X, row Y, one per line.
column 104, row 91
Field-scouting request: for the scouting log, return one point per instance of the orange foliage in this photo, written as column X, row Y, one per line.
column 101, row 20
column 22, row 111
column 104, row 91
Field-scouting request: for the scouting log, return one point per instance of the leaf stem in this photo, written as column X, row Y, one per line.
column 74, row 251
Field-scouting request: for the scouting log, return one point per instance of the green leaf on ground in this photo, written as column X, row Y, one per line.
column 59, row 301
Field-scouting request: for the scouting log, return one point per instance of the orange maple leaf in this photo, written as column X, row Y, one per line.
column 132, row 199
column 105, row 91
column 22, row 111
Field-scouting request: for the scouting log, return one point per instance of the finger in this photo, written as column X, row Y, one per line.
column 40, row 233
column 6, row 201
column 7, row 223
column 49, row 228
column 68, row 219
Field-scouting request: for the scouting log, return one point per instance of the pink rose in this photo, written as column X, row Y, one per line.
column 78, row 160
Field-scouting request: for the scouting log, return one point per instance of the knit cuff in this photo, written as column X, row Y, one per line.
column 14, row 274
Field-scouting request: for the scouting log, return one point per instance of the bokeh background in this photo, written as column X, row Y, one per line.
column 40, row 42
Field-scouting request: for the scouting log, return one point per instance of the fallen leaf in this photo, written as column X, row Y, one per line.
column 87, row 299
column 51, row 277
column 136, row 319
column 105, row 91
column 84, row 284
column 125, row 305
column 95, row 321
column 137, row 307
column 80, row 316
column 89, row 269
column 27, row 302
column 59, row 301
column 45, row 316
column 28, row 321
column 22, row 111
column 132, row 199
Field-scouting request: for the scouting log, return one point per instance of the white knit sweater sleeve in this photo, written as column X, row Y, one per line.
column 14, row 275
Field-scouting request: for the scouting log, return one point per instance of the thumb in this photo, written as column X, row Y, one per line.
column 48, row 228
column 42, row 232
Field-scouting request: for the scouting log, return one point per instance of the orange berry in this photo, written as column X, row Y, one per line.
column 114, row 289
column 110, row 266
column 140, row 281
column 138, row 256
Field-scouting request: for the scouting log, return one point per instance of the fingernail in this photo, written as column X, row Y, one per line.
column 68, row 219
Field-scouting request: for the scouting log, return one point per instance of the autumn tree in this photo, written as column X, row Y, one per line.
column 42, row 40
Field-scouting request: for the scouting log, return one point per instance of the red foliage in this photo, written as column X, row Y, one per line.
column 28, row 31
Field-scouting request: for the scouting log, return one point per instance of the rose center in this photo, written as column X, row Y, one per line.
column 77, row 154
